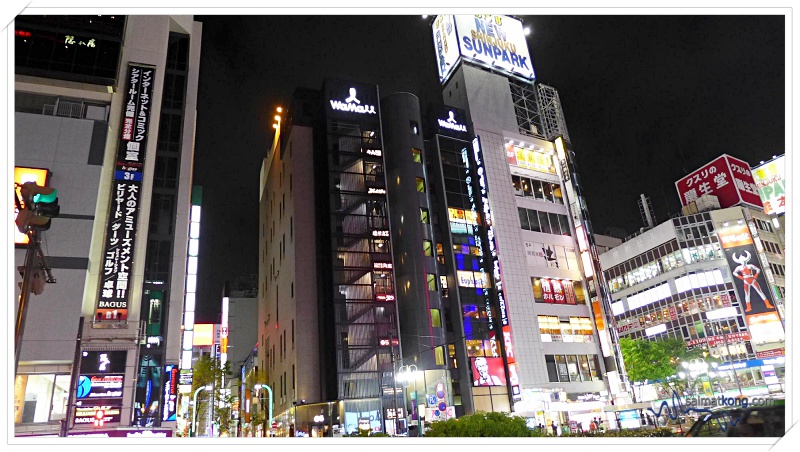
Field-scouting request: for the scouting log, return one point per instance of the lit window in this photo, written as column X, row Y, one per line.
column 436, row 318
column 423, row 215
column 432, row 282
column 439, row 356
column 414, row 127
column 417, row 155
column 427, row 247
column 421, row 185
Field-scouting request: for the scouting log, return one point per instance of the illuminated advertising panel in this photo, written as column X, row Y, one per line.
column 350, row 100
column 488, row 371
column 203, row 334
column 496, row 42
column 92, row 411
column 100, row 386
column 102, row 362
column 117, row 257
column 22, row 175
column 170, row 393
column 530, row 159
column 445, row 44
column 449, row 121
column 770, row 179
column 763, row 321
column 726, row 177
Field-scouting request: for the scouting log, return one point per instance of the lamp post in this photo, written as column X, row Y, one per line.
column 193, row 431
column 403, row 375
column 258, row 387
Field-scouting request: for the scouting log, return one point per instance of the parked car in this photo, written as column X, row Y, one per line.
column 765, row 421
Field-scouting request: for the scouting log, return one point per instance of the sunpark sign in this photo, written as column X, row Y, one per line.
column 353, row 105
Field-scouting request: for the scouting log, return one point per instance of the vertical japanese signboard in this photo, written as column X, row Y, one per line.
column 726, row 177
column 118, row 249
column 763, row 321
column 770, row 180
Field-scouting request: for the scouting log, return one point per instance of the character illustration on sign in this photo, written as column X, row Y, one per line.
column 104, row 362
column 748, row 273
column 352, row 97
column 484, row 378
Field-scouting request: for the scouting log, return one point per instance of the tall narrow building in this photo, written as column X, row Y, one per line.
column 106, row 106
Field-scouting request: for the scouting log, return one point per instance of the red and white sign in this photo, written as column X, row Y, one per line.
column 726, row 177
column 770, row 353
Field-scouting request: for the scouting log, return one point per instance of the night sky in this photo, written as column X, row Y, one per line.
column 647, row 99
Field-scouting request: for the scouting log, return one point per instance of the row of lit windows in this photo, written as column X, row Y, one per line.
column 622, row 276
column 576, row 329
column 536, row 189
column 773, row 248
column 665, row 312
column 547, row 222
column 572, row 368
column 695, row 280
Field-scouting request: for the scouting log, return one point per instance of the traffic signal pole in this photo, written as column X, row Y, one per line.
column 30, row 254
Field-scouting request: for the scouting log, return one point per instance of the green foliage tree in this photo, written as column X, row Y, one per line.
column 257, row 417
column 658, row 361
column 482, row 424
column 208, row 371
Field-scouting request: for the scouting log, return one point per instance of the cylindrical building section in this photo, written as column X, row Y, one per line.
column 414, row 247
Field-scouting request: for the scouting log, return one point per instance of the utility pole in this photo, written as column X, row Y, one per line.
column 76, row 365
column 39, row 205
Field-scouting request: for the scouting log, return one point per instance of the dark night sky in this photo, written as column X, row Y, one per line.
column 646, row 99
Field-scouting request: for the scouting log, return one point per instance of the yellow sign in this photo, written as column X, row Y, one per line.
column 707, row 389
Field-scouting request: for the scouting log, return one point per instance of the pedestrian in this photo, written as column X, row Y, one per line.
column 555, row 429
column 592, row 426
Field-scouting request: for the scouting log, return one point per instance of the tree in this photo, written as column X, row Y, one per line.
column 658, row 362
column 259, row 417
column 208, row 371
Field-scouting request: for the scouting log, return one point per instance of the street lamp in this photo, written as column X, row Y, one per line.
column 404, row 375
column 194, row 409
column 258, row 387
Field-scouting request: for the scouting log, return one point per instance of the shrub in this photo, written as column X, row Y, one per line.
column 482, row 424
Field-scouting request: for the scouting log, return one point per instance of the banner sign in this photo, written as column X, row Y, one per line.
column 488, row 371
column 100, row 386
column 770, row 179
column 102, row 362
column 118, row 249
column 726, row 177
column 492, row 41
column 170, row 392
column 87, row 412
column 755, row 301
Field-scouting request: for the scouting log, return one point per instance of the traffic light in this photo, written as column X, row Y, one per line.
column 40, row 206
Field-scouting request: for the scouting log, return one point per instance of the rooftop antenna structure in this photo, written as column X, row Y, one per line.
column 646, row 210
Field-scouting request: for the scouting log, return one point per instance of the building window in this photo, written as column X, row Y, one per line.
column 436, row 318
column 427, row 247
column 417, row 155
column 431, row 282
column 40, row 398
column 414, row 127
column 439, row 356
column 423, row 216
column 421, row 185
